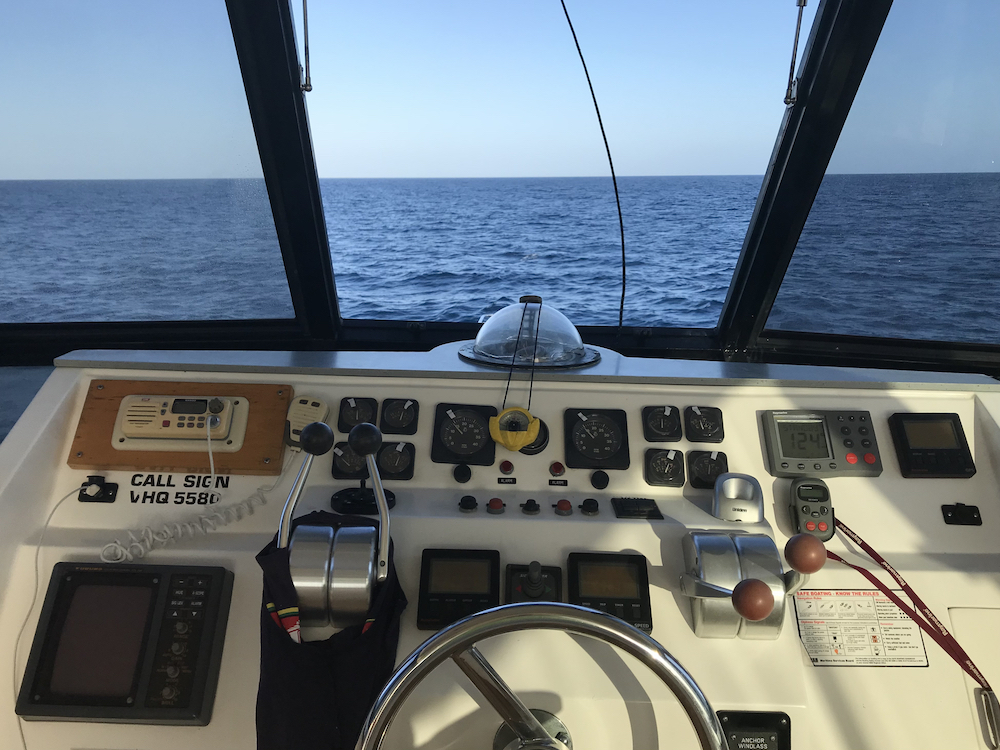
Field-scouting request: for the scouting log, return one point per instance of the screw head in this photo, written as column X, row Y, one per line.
column 267, row 460
column 100, row 387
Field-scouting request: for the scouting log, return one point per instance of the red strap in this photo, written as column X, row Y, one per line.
column 925, row 618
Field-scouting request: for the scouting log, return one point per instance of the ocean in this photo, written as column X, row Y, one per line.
column 913, row 256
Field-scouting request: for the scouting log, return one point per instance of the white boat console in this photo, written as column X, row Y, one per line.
column 633, row 449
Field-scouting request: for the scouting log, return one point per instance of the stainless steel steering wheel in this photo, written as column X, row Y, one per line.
column 458, row 642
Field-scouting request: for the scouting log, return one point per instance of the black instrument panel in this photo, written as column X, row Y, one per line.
column 136, row 644
column 455, row 583
column 931, row 445
column 614, row 583
column 462, row 435
column 596, row 438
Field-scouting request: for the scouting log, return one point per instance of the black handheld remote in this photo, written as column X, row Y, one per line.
column 810, row 508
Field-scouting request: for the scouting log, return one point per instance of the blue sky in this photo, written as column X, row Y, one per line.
column 125, row 89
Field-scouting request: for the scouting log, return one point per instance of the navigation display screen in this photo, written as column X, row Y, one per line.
column 101, row 641
column 458, row 576
column 803, row 438
column 931, row 435
column 608, row 580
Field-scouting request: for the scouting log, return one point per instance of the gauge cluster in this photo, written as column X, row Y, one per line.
column 595, row 439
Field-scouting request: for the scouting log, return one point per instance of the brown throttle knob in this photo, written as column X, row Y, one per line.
column 805, row 553
column 753, row 599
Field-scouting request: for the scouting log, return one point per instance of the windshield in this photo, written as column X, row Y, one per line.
column 130, row 183
column 903, row 240
column 462, row 164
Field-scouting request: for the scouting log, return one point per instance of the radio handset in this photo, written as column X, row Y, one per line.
column 335, row 571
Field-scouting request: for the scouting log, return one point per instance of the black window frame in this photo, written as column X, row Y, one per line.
column 840, row 45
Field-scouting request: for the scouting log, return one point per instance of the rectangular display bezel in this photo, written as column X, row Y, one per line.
column 643, row 617
column 436, row 610
column 930, row 463
column 132, row 709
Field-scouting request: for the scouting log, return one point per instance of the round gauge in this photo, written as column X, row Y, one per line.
column 704, row 424
column 354, row 411
column 665, row 469
column 464, row 432
column 597, row 437
column 393, row 461
column 538, row 444
column 663, row 421
column 346, row 461
column 398, row 414
column 705, row 469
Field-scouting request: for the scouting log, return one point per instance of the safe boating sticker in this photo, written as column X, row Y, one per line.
column 858, row 629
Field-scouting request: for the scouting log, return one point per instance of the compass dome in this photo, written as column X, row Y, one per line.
column 528, row 334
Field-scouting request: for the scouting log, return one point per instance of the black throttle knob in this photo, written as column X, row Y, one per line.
column 316, row 438
column 365, row 439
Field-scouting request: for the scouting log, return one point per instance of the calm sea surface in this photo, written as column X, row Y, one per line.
column 916, row 256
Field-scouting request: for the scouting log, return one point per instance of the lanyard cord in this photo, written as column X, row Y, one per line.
column 922, row 615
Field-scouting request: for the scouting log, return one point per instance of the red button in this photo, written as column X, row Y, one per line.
column 556, row 469
column 495, row 504
column 822, row 526
column 564, row 507
column 810, row 526
column 851, row 458
column 166, row 422
column 869, row 458
column 506, row 467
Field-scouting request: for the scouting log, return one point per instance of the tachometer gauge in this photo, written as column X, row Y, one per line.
column 395, row 460
column 399, row 416
column 464, row 432
column 661, row 424
column 596, row 439
column 664, row 468
column 354, row 411
column 347, row 464
column 703, row 424
column 462, row 435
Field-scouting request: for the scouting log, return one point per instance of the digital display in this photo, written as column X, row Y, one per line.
column 803, row 438
column 938, row 434
column 189, row 406
column 458, row 576
column 101, row 641
column 608, row 580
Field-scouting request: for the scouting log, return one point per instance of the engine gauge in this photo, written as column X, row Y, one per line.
column 703, row 424
column 664, row 468
column 399, row 416
column 347, row 464
column 395, row 460
column 462, row 435
column 661, row 424
column 705, row 467
column 354, row 411
column 596, row 439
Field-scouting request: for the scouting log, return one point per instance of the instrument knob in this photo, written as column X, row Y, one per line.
column 530, row 507
column 468, row 504
column 599, row 479
column 753, row 599
column 590, row 507
column 316, row 438
column 462, row 473
column 365, row 439
column 216, row 406
column 805, row 553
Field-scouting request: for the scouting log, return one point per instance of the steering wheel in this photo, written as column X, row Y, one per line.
column 458, row 642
